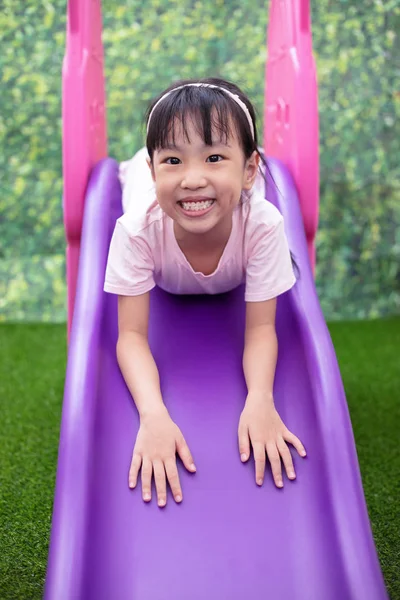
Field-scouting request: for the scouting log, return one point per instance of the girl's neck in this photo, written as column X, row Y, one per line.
column 211, row 241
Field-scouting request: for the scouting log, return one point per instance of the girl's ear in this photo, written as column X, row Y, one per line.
column 151, row 168
column 251, row 170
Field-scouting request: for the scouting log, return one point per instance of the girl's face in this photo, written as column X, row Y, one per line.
column 199, row 186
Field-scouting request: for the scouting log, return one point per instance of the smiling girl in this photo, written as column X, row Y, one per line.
column 206, row 229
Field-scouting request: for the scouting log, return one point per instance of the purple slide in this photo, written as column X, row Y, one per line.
column 229, row 539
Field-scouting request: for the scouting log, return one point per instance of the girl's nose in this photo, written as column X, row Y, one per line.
column 193, row 179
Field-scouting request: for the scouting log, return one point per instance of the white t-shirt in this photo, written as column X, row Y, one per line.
column 144, row 251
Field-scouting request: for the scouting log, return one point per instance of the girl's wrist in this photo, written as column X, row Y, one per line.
column 153, row 411
column 260, row 396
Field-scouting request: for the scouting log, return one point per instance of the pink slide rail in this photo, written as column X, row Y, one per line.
column 291, row 121
column 83, row 123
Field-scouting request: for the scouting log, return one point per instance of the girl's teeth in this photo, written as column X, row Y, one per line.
column 197, row 205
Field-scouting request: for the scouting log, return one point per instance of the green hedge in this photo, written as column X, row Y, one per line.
column 147, row 45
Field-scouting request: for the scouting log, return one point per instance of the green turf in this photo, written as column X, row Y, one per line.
column 32, row 365
column 369, row 360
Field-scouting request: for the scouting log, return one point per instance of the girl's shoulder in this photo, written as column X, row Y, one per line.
column 260, row 213
column 143, row 221
column 142, row 214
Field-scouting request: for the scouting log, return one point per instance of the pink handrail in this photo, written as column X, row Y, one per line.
column 291, row 105
column 83, row 122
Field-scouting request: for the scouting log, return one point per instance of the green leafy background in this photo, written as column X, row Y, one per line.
column 149, row 44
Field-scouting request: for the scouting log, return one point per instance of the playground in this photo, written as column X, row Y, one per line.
column 70, row 526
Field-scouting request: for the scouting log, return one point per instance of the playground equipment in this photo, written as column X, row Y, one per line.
column 229, row 539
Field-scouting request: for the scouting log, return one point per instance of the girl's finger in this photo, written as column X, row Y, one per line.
column 259, row 459
column 292, row 439
column 287, row 458
column 147, row 471
column 173, row 479
column 184, row 452
column 244, row 444
column 275, row 461
column 159, row 478
column 134, row 469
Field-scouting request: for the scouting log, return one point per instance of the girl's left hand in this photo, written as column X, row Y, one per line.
column 261, row 425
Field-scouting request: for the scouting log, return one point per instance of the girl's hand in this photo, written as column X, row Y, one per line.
column 157, row 442
column 261, row 425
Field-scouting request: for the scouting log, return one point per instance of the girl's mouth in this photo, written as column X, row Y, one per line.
column 196, row 209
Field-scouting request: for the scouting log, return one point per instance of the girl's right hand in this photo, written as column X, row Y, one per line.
column 157, row 442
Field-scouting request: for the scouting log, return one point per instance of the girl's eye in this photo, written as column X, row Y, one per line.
column 215, row 158
column 172, row 160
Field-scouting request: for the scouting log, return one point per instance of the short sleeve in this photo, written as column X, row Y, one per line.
column 269, row 271
column 130, row 265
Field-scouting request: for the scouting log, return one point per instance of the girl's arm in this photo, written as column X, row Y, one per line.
column 260, row 423
column 134, row 356
column 261, row 348
column 159, row 438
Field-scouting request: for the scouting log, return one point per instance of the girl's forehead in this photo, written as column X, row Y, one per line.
column 190, row 131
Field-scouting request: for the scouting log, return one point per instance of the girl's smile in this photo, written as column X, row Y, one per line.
column 194, row 207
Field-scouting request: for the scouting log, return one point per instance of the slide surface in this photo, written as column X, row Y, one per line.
column 229, row 539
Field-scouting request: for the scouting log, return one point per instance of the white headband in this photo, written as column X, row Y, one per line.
column 235, row 97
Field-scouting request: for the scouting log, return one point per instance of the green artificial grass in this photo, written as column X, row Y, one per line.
column 32, row 367
column 369, row 360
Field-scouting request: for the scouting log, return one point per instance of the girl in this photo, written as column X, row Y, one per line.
column 205, row 229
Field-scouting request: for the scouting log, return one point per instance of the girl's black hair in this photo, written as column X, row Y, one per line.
column 211, row 111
